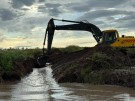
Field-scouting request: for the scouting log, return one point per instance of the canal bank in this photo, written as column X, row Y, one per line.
column 21, row 68
column 17, row 63
column 95, row 65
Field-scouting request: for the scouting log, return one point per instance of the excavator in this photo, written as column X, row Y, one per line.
column 106, row 37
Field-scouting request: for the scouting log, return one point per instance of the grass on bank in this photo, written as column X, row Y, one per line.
column 7, row 57
column 97, row 62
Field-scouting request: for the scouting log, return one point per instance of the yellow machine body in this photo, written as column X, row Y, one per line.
column 124, row 41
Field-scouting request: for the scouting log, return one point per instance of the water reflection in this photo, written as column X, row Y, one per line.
column 41, row 86
column 101, row 92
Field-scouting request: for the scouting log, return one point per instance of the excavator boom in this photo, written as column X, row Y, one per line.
column 77, row 26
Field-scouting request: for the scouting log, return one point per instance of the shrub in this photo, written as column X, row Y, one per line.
column 90, row 76
column 100, row 61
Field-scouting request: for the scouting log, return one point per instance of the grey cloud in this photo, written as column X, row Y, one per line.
column 131, row 3
column 80, row 7
column 41, row 1
column 105, row 3
column 24, row 24
column 91, row 4
column 20, row 3
column 128, row 17
column 42, row 9
column 14, row 26
column 104, row 13
column 25, row 9
column 50, row 5
column 40, row 20
column 51, row 9
column 6, row 14
column 130, row 24
column 27, row 24
column 110, row 18
column 54, row 12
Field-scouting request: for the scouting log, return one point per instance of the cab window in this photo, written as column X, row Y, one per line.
column 109, row 37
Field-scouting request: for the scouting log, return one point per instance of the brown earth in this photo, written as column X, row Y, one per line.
column 97, row 65
column 21, row 68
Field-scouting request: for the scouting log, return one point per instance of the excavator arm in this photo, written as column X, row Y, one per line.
column 78, row 26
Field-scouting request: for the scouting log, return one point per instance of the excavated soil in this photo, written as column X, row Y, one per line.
column 96, row 65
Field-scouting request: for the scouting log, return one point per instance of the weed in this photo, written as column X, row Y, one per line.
column 8, row 56
column 101, row 60
column 91, row 77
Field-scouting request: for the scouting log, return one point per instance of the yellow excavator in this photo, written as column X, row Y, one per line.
column 106, row 37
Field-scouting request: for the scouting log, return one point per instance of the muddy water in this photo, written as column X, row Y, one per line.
column 40, row 86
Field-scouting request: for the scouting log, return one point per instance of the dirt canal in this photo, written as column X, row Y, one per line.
column 40, row 86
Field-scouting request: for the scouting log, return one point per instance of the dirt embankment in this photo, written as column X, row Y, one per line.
column 21, row 68
column 97, row 65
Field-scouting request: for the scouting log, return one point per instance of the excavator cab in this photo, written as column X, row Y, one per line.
column 109, row 36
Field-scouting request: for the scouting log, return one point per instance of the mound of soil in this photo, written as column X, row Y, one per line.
column 97, row 65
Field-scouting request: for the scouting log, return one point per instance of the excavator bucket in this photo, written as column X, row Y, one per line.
column 42, row 60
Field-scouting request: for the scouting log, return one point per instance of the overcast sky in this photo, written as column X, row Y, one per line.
column 23, row 22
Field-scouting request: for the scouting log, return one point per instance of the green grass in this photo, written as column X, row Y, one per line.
column 9, row 55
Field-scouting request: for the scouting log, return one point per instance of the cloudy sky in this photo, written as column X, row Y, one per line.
column 23, row 22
